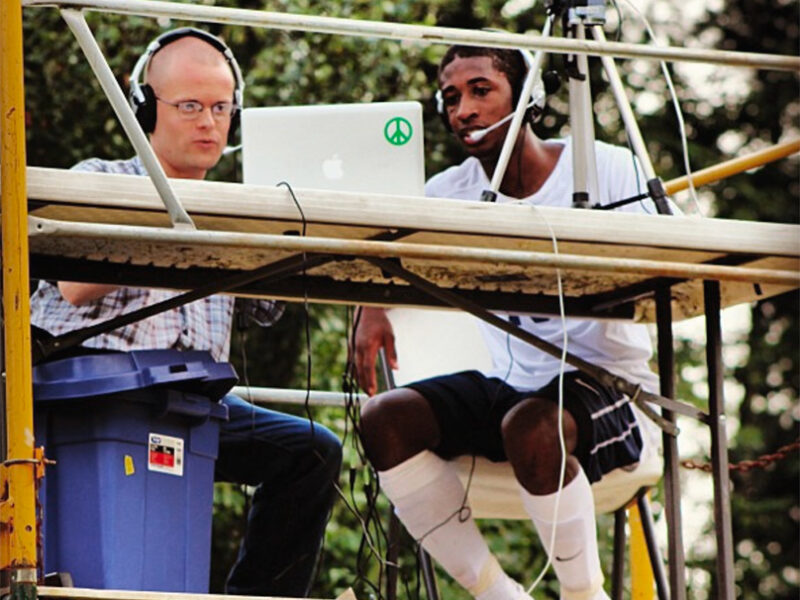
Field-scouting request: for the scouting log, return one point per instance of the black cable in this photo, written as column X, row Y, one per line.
column 462, row 513
column 373, row 530
column 306, row 314
column 369, row 540
column 248, row 498
column 613, row 205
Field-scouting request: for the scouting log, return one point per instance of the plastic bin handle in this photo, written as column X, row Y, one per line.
column 190, row 405
column 172, row 374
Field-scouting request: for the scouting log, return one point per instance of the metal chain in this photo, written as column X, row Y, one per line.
column 761, row 462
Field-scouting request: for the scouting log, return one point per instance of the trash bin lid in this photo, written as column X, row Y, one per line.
column 108, row 373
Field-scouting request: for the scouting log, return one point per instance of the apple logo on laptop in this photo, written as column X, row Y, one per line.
column 332, row 167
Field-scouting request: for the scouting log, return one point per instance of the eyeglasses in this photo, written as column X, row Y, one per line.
column 191, row 109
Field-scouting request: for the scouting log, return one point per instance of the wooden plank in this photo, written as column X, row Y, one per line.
column 612, row 254
column 95, row 594
column 133, row 200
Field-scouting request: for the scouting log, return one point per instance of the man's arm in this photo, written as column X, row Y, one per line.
column 76, row 293
column 373, row 331
column 82, row 293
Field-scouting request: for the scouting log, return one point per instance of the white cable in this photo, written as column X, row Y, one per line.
column 561, row 440
column 562, row 443
column 678, row 113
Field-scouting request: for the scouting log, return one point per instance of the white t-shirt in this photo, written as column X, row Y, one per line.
column 621, row 347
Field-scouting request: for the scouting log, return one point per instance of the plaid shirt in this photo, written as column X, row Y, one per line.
column 201, row 325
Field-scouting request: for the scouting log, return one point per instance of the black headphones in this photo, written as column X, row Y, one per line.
column 142, row 96
column 533, row 113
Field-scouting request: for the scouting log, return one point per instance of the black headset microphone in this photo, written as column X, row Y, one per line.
column 143, row 98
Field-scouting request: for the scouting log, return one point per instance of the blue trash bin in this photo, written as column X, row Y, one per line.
column 134, row 435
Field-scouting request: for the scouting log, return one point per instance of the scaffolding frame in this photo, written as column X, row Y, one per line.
column 22, row 466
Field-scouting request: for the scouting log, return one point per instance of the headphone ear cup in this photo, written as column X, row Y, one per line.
column 145, row 109
column 235, row 120
column 439, row 100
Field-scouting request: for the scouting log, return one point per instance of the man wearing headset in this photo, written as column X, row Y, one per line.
column 511, row 412
column 192, row 95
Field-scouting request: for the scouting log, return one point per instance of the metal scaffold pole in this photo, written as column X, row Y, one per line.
column 18, row 469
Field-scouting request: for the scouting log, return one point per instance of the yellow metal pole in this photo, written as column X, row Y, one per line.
column 734, row 166
column 18, row 497
column 642, row 578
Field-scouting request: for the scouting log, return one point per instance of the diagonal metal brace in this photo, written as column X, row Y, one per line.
column 43, row 348
column 633, row 391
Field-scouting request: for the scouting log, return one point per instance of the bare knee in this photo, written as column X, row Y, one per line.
column 531, row 440
column 397, row 425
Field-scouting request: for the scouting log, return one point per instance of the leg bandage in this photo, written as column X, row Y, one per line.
column 574, row 549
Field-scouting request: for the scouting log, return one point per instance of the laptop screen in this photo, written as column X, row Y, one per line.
column 370, row 147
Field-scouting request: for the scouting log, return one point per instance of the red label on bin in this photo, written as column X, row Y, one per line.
column 162, row 456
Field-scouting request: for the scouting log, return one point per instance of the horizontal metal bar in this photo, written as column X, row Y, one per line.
column 262, row 395
column 45, row 227
column 423, row 34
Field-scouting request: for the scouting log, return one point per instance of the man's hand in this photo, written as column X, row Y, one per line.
column 373, row 332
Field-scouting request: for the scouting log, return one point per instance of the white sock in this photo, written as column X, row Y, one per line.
column 428, row 496
column 574, row 553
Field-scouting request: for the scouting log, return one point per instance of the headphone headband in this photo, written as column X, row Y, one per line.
column 142, row 97
column 174, row 35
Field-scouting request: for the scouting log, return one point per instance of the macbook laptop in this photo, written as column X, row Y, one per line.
column 370, row 147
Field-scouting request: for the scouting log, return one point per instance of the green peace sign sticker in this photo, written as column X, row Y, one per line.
column 397, row 131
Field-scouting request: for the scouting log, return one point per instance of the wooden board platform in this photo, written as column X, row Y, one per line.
column 499, row 255
column 95, row 594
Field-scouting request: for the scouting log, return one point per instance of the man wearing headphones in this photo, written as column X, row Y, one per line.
column 189, row 106
column 512, row 411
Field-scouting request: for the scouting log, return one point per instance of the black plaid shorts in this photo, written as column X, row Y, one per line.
column 470, row 407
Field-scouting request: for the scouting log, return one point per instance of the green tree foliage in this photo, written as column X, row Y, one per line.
column 68, row 119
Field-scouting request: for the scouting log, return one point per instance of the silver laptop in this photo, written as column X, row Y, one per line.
column 376, row 147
